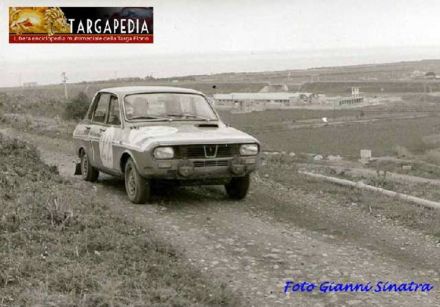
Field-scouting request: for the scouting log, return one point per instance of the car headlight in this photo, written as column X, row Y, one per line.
column 249, row 149
column 164, row 153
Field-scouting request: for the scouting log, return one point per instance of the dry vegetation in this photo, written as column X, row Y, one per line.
column 76, row 108
column 62, row 247
column 45, row 110
column 282, row 169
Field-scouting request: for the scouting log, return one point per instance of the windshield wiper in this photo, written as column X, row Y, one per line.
column 149, row 117
column 189, row 117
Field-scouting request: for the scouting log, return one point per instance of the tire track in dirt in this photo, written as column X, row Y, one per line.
column 253, row 253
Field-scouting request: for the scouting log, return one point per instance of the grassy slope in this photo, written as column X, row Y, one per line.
column 282, row 169
column 60, row 247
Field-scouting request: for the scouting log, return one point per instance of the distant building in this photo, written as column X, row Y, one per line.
column 247, row 102
column 430, row 75
column 417, row 74
column 29, row 84
column 344, row 101
column 349, row 101
column 274, row 88
column 355, row 92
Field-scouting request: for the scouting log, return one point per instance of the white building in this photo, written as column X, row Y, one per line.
column 29, row 84
column 247, row 102
column 354, row 99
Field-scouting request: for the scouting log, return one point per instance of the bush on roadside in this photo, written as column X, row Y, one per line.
column 77, row 107
column 401, row 151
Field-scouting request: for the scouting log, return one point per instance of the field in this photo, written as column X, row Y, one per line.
column 380, row 129
column 372, row 78
column 347, row 140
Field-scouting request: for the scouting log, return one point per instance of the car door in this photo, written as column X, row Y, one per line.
column 98, row 127
column 109, row 145
column 82, row 130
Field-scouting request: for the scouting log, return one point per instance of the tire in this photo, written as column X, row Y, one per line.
column 238, row 187
column 88, row 172
column 137, row 187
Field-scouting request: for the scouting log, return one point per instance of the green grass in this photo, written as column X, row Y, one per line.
column 59, row 246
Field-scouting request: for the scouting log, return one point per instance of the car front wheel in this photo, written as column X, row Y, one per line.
column 88, row 172
column 137, row 187
column 238, row 187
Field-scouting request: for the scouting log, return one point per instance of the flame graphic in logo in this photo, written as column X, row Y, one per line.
column 50, row 20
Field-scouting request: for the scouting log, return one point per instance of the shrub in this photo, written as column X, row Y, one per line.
column 432, row 156
column 401, row 151
column 77, row 107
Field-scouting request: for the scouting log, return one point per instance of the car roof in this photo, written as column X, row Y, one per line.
column 125, row 90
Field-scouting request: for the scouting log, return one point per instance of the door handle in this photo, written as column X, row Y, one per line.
column 102, row 130
column 87, row 128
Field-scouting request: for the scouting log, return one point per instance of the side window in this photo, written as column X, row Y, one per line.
column 113, row 116
column 101, row 108
column 91, row 108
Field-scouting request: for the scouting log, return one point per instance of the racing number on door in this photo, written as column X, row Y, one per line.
column 106, row 148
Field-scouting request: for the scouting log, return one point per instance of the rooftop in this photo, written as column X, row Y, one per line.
column 258, row 96
column 148, row 89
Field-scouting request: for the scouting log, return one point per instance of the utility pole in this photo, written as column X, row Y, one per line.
column 64, row 81
column 424, row 91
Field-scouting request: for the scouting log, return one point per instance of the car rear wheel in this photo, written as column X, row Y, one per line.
column 238, row 187
column 137, row 187
column 88, row 172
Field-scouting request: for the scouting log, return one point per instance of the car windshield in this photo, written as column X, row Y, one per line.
column 168, row 106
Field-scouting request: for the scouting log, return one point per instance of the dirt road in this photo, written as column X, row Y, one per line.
column 279, row 233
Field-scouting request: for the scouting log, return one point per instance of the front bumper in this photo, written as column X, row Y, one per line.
column 195, row 169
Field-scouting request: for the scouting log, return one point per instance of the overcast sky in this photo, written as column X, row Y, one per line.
column 208, row 36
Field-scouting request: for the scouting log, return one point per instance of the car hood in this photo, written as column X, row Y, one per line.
column 143, row 138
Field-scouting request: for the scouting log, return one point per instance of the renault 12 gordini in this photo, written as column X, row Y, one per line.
column 154, row 134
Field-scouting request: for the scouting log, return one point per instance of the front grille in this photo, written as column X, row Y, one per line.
column 211, row 163
column 205, row 151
